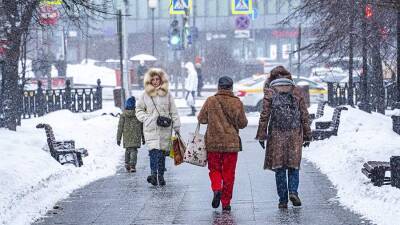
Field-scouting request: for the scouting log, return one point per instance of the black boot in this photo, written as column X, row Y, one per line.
column 294, row 198
column 193, row 111
column 216, row 200
column 152, row 179
column 161, row 180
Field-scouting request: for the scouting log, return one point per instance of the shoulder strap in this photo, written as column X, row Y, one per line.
column 226, row 115
column 155, row 105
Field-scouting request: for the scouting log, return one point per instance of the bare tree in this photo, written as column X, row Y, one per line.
column 336, row 30
column 17, row 16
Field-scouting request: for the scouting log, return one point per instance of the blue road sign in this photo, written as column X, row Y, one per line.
column 242, row 7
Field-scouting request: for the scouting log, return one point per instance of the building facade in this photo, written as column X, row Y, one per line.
column 218, row 35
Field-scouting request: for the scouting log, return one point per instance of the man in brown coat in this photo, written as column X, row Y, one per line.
column 224, row 113
column 284, row 125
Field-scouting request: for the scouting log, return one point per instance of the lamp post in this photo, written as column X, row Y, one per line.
column 152, row 5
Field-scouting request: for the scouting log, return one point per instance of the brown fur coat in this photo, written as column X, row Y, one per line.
column 221, row 134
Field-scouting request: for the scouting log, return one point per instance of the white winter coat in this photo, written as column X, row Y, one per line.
column 157, row 137
column 192, row 80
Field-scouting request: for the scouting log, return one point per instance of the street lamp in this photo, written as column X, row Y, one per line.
column 152, row 5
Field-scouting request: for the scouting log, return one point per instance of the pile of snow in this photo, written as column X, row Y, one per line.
column 87, row 74
column 362, row 137
column 31, row 182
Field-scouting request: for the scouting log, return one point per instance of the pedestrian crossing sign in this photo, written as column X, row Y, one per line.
column 177, row 7
column 242, row 7
column 52, row 2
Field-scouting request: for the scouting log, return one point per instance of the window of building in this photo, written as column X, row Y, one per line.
column 260, row 6
column 211, row 7
column 283, row 6
column 294, row 4
column 223, row 8
column 271, row 7
column 132, row 10
column 273, row 52
column 142, row 9
column 286, row 51
column 200, row 7
column 260, row 51
column 164, row 8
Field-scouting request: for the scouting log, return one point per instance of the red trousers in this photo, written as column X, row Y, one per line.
column 222, row 166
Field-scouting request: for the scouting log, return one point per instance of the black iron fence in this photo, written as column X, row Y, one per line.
column 338, row 94
column 40, row 102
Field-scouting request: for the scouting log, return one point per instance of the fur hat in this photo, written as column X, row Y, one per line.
column 152, row 91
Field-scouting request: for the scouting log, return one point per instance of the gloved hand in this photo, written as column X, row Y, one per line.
column 177, row 129
column 262, row 143
column 306, row 144
column 118, row 143
column 143, row 142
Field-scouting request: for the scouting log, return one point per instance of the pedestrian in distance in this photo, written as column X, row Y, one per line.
column 200, row 84
column 131, row 130
column 191, row 86
column 283, row 130
column 224, row 115
column 157, row 111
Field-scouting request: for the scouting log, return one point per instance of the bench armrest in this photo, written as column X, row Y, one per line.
column 64, row 144
column 323, row 124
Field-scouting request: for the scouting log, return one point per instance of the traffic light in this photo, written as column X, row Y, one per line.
column 175, row 40
column 368, row 11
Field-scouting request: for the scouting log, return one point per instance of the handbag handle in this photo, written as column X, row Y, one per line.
column 196, row 132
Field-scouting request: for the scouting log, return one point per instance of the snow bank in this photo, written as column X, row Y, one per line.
column 362, row 137
column 88, row 74
column 31, row 182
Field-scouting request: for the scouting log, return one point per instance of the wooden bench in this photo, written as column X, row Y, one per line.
column 320, row 111
column 63, row 151
column 376, row 171
column 326, row 129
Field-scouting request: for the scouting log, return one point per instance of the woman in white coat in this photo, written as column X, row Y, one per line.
column 191, row 86
column 154, row 102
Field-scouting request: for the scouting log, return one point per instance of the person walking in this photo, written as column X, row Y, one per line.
column 224, row 115
column 200, row 83
column 285, row 128
column 131, row 129
column 157, row 111
column 191, row 86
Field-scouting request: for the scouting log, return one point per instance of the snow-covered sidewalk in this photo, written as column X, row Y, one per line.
column 31, row 181
column 362, row 137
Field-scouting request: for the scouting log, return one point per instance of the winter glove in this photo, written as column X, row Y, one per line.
column 306, row 144
column 143, row 142
column 262, row 143
column 118, row 143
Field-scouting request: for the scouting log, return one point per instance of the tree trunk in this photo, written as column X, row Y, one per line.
column 10, row 98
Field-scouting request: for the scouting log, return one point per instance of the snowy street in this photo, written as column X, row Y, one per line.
column 199, row 112
column 128, row 199
column 331, row 180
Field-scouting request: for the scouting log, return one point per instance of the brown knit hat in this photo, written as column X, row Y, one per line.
column 279, row 72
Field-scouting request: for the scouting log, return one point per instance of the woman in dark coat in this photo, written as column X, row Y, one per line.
column 285, row 131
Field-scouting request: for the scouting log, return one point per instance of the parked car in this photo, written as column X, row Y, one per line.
column 250, row 91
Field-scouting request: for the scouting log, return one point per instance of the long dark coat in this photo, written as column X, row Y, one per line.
column 284, row 148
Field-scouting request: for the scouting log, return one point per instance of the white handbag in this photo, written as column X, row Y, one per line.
column 196, row 153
